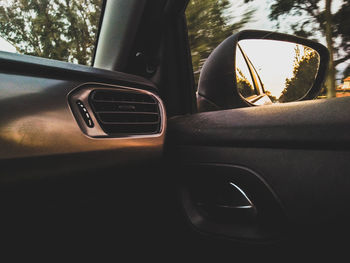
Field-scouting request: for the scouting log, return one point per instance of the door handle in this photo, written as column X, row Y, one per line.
column 228, row 203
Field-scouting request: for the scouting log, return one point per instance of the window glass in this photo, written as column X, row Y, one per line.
column 212, row 21
column 64, row 30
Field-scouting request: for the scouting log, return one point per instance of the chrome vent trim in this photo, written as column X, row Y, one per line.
column 119, row 111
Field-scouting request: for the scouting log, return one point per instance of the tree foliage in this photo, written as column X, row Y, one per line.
column 342, row 28
column 346, row 72
column 209, row 23
column 56, row 29
column 304, row 73
column 244, row 86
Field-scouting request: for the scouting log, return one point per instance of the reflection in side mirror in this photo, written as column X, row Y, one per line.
column 270, row 71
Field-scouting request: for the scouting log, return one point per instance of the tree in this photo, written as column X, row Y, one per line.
column 304, row 73
column 328, row 24
column 317, row 17
column 272, row 98
column 56, row 29
column 342, row 25
column 346, row 72
column 244, row 86
column 209, row 23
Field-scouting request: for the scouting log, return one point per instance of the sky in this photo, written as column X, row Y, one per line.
column 5, row 46
column 260, row 19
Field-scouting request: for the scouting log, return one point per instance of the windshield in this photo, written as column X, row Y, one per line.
column 63, row 30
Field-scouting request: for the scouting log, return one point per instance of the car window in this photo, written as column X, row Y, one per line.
column 63, row 30
column 325, row 21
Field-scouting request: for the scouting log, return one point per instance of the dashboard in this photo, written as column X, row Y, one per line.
column 51, row 109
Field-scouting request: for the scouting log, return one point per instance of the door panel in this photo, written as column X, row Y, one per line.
column 300, row 150
column 319, row 124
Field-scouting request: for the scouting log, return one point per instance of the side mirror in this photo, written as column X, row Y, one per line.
column 260, row 67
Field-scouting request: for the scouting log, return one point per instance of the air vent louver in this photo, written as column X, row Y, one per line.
column 126, row 112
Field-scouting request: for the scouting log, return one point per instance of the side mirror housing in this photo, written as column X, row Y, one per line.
column 256, row 67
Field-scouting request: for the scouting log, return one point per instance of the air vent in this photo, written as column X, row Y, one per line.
column 126, row 112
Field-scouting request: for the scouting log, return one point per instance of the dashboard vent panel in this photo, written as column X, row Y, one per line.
column 126, row 112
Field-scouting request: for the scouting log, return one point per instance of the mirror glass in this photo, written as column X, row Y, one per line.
column 271, row 71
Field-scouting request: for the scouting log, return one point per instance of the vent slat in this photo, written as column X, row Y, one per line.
column 132, row 102
column 127, row 96
column 122, row 106
column 122, row 117
column 131, row 123
column 132, row 129
column 126, row 112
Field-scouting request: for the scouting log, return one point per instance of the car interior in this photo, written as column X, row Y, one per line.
column 127, row 159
